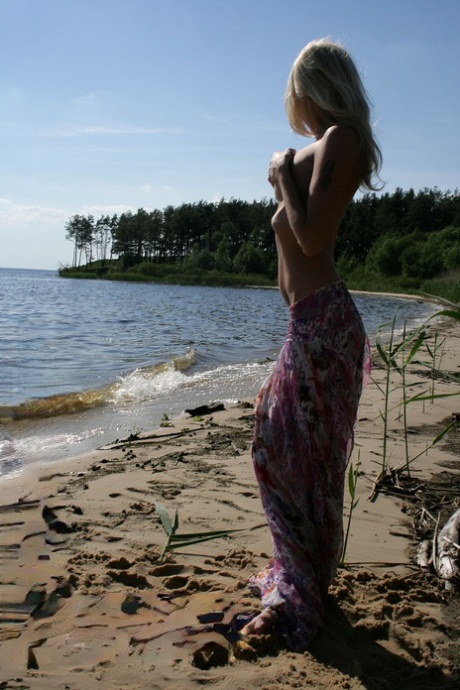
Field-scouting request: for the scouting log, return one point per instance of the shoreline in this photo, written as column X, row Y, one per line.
column 399, row 295
column 87, row 598
column 52, row 437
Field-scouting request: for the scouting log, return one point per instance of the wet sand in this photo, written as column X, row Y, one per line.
column 88, row 599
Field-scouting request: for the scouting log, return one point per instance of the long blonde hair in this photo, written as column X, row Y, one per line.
column 325, row 74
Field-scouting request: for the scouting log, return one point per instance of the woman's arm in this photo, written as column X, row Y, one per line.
column 314, row 220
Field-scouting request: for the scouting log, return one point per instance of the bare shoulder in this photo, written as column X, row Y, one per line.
column 305, row 154
column 337, row 164
column 340, row 140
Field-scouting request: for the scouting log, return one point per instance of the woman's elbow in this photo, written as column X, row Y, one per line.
column 314, row 239
column 312, row 248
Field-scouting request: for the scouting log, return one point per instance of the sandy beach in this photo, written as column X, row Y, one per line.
column 90, row 598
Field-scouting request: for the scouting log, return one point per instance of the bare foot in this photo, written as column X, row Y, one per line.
column 261, row 623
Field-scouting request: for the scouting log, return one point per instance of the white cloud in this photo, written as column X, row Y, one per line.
column 98, row 210
column 33, row 236
column 104, row 131
column 86, row 99
column 216, row 118
column 148, row 187
column 13, row 213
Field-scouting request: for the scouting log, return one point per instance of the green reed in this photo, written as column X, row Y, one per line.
column 436, row 361
column 410, row 347
column 397, row 357
column 177, row 541
column 454, row 424
column 353, row 474
column 387, row 354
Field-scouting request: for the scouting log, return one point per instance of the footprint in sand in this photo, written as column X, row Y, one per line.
column 167, row 569
column 176, row 582
column 120, row 563
column 129, row 579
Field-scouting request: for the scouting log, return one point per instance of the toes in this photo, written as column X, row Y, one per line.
column 260, row 624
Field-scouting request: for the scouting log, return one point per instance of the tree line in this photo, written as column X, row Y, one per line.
column 203, row 234
column 405, row 233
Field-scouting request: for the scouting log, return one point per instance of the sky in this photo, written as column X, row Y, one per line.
column 114, row 105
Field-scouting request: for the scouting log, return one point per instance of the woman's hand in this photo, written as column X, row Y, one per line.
column 279, row 162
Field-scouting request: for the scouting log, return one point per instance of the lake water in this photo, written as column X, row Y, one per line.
column 84, row 362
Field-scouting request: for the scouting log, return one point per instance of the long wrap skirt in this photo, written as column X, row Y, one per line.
column 305, row 416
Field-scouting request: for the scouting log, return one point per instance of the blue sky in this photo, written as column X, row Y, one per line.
column 110, row 105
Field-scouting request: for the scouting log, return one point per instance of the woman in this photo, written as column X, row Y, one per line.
column 306, row 410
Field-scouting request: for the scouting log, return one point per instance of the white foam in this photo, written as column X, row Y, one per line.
column 38, row 443
column 15, row 454
column 140, row 386
column 234, row 372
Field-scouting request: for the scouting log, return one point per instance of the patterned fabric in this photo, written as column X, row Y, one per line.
column 305, row 415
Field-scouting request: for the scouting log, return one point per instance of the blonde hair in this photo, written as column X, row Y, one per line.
column 325, row 75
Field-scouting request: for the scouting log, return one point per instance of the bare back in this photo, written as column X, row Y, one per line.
column 298, row 273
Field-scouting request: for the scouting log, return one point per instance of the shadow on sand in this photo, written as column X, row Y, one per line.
column 358, row 653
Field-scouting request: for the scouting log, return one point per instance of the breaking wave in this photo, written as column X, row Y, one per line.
column 135, row 387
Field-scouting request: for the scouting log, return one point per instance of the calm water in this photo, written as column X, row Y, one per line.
column 85, row 362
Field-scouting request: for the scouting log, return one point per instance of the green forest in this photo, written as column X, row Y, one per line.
column 404, row 241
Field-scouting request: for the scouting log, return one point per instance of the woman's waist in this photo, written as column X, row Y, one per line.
column 299, row 279
column 327, row 308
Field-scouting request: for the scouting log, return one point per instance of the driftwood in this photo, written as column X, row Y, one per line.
column 423, row 555
column 443, row 550
column 448, row 549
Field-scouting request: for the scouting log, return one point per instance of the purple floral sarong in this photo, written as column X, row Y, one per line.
column 304, row 421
